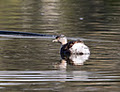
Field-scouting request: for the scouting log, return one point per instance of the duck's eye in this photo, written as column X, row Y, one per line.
column 58, row 37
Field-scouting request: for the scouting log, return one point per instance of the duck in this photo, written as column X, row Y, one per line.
column 76, row 47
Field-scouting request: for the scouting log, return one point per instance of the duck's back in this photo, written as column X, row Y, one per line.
column 75, row 47
column 79, row 48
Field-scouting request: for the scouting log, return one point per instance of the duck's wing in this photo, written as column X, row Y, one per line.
column 78, row 47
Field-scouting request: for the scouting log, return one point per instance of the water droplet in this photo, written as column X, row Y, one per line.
column 81, row 18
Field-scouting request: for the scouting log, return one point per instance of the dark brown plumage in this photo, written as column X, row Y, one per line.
column 72, row 47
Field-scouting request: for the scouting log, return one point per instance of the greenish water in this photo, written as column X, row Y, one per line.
column 34, row 64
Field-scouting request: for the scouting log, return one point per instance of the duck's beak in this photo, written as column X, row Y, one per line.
column 55, row 40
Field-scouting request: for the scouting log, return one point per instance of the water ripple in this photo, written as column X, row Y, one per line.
column 37, row 76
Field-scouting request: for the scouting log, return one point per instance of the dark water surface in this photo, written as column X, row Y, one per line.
column 34, row 64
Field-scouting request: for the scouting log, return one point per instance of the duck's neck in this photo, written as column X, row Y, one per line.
column 64, row 42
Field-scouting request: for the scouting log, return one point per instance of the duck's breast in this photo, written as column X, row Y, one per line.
column 79, row 48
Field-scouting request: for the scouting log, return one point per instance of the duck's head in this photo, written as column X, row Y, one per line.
column 61, row 39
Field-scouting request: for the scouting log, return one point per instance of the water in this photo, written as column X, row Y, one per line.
column 30, row 64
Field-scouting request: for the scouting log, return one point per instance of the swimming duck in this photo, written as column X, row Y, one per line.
column 73, row 47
